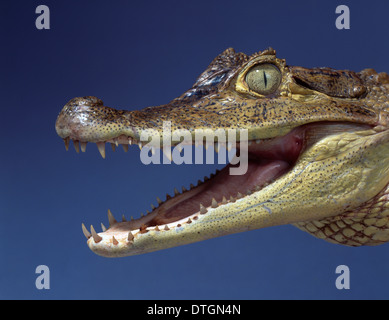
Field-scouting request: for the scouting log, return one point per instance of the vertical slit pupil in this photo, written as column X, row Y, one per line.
column 264, row 78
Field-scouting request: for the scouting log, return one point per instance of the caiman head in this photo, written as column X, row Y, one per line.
column 317, row 145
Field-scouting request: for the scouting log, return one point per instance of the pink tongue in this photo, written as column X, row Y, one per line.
column 224, row 184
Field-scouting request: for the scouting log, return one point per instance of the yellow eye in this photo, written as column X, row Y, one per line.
column 264, row 78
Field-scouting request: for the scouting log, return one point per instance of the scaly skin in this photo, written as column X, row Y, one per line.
column 336, row 189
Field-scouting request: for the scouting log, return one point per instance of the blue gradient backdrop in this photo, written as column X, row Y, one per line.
column 132, row 55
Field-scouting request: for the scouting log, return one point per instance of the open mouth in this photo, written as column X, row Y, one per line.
column 268, row 160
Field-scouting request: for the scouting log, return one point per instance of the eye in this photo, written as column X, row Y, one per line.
column 264, row 78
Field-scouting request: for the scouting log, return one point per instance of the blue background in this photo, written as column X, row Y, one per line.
column 137, row 54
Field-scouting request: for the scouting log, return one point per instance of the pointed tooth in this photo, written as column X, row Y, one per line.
column 167, row 152
column 116, row 142
column 168, row 196
column 141, row 214
column 129, row 141
column 199, row 182
column 101, row 147
column 239, row 195
column 111, row 218
column 85, row 231
column 166, row 228
column 132, row 218
column 140, row 144
column 152, row 207
column 125, row 147
column 95, row 236
column 130, row 236
column 66, row 140
column 232, row 199
column 123, row 218
column 114, row 241
column 203, row 210
column 103, row 227
column 189, row 221
column 214, row 203
column 113, row 146
column 159, row 201
column 76, row 145
column 83, row 146
column 191, row 186
column 184, row 189
column 224, row 200
column 156, row 228
column 176, row 192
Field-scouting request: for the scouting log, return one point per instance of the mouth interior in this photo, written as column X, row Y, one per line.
column 267, row 160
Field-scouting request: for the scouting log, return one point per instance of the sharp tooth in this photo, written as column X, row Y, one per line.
column 176, row 193
column 114, row 241
column 156, row 228
column 101, row 147
column 83, row 146
column 152, row 206
column 189, row 221
column 130, row 236
column 239, row 195
column 232, row 199
column 66, row 140
column 167, row 152
column 103, row 227
column 202, row 209
column 166, row 228
column 111, row 218
column 125, row 147
column 123, row 218
column 224, row 200
column 115, row 140
column 76, row 145
column 95, row 236
column 129, row 141
column 191, row 186
column 184, row 189
column 159, row 201
column 85, row 231
column 199, row 182
column 206, row 178
column 140, row 144
column 168, row 196
column 113, row 146
column 214, row 203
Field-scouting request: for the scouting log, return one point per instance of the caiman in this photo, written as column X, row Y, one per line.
column 318, row 154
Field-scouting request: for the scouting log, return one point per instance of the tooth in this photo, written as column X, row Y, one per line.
column 95, row 236
column 176, row 193
column 76, row 145
column 114, row 241
column 103, row 227
column 239, row 195
column 189, row 221
column 167, row 152
column 115, row 140
column 166, row 228
column 143, row 229
column 159, row 201
column 191, row 186
column 152, row 206
column 113, row 146
column 168, row 196
column 202, row 209
column 111, row 218
column 130, row 236
column 66, row 140
column 132, row 218
column 83, row 146
column 125, row 147
column 85, row 231
column 140, row 145
column 206, row 178
column 199, row 182
column 224, row 200
column 214, row 203
column 232, row 199
column 141, row 214
column 101, row 147
column 129, row 140
column 156, row 228
column 183, row 189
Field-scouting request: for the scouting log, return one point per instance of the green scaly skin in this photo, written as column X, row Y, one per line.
column 336, row 189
